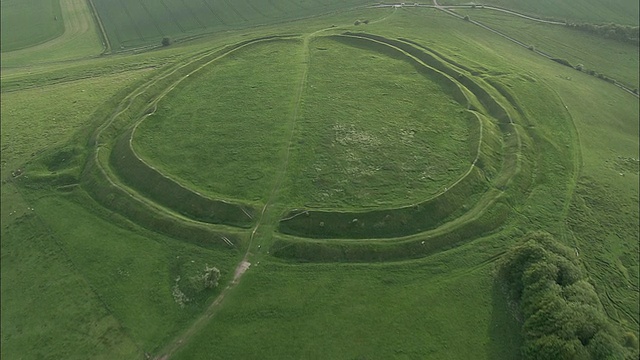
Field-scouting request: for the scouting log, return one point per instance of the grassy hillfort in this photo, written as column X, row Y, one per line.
column 333, row 179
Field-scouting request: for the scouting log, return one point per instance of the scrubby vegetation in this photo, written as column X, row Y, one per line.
column 625, row 33
column 559, row 308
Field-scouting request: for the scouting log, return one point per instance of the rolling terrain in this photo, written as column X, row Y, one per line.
column 304, row 179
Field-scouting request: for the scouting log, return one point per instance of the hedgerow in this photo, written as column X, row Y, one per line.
column 562, row 317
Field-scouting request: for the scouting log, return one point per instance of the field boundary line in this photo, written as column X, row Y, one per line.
column 102, row 31
column 447, row 10
column 75, row 24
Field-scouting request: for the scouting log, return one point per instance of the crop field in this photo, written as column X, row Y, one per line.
column 44, row 17
column 578, row 48
column 320, row 179
column 592, row 11
column 136, row 23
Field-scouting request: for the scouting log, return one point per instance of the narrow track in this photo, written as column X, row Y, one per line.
column 268, row 215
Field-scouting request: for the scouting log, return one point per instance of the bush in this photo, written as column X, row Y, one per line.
column 562, row 61
column 357, row 22
column 563, row 317
column 618, row 32
column 166, row 41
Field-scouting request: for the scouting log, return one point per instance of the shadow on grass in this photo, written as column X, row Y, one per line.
column 505, row 330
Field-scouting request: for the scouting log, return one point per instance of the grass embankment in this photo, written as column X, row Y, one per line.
column 428, row 214
column 103, row 184
column 347, row 311
column 81, row 281
column 188, row 136
column 371, row 172
column 368, row 115
column 343, row 310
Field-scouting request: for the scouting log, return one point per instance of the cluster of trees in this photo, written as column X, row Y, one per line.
column 623, row 33
column 561, row 312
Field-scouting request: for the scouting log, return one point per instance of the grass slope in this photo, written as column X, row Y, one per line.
column 30, row 22
column 133, row 271
column 137, row 23
column 232, row 96
column 30, row 126
column 46, row 299
column 590, row 11
column 418, row 309
column 409, row 144
column 80, row 39
column 113, row 281
column 593, row 52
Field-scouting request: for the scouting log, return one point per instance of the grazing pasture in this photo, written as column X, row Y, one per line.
column 28, row 23
column 80, row 39
column 623, row 12
column 346, row 185
column 583, row 50
column 139, row 22
column 188, row 135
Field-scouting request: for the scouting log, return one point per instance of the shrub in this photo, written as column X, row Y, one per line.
column 357, row 22
column 562, row 61
column 563, row 317
column 166, row 41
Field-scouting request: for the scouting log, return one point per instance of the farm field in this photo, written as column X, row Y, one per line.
column 578, row 48
column 623, row 12
column 137, row 23
column 351, row 184
column 45, row 17
column 79, row 39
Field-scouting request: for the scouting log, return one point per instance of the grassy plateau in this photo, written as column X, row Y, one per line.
column 319, row 179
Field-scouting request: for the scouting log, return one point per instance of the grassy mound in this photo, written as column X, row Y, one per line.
column 450, row 203
column 153, row 184
column 150, row 206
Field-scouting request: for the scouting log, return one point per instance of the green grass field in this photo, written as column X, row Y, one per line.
column 233, row 97
column 138, row 23
column 28, row 23
column 594, row 11
column 80, row 38
column 394, row 152
column 325, row 152
column 579, row 48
